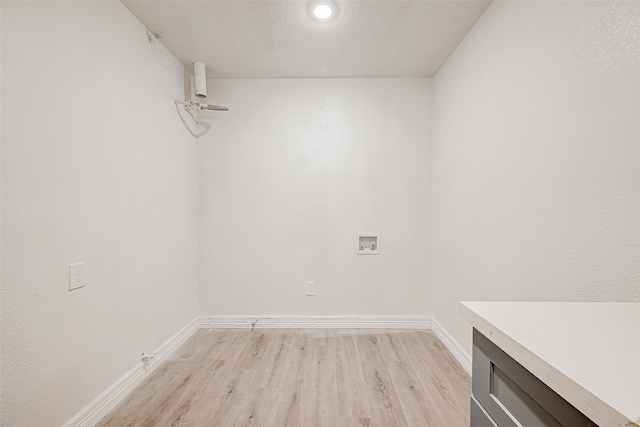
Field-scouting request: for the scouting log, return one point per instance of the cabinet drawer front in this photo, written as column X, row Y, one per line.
column 479, row 417
column 514, row 397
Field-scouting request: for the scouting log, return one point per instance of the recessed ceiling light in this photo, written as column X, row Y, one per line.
column 322, row 11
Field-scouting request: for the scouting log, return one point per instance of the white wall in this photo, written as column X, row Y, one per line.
column 536, row 158
column 97, row 167
column 291, row 174
column 535, row 187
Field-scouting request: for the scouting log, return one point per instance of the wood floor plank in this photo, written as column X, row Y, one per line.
column 418, row 408
column 288, row 411
column 157, row 394
column 353, row 403
column 216, row 391
column 270, row 366
column 326, row 385
column 263, row 407
column 381, row 393
column 241, row 400
column 298, row 378
column 440, row 392
column 459, row 377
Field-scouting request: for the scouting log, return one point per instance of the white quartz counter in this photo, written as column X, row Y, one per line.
column 587, row 352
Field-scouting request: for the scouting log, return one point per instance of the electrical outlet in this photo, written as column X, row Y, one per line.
column 310, row 290
column 77, row 278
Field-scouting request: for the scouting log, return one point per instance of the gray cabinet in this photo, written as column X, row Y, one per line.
column 505, row 394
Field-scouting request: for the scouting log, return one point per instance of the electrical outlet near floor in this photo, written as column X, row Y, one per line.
column 77, row 276
column 310, row 290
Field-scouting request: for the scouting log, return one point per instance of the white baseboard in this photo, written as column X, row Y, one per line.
column 312, row 322
column 101, row 405
column 453, row 346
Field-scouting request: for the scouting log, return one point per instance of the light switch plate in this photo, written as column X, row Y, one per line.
column 77, row 276
column 310, row 290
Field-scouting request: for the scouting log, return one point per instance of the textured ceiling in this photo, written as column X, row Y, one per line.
column 278, row 39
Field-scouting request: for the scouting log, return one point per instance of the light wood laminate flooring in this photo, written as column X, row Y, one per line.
column 302, row 377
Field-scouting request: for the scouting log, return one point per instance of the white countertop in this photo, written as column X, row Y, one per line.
column 587, row 352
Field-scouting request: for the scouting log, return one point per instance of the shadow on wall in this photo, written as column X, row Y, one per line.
column 202, row 127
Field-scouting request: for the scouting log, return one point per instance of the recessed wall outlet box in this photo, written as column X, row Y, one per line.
column 77, row 275
column 368, row 244
column 310, row 290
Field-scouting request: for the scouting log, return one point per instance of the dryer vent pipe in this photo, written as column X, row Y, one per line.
column 200, row 79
